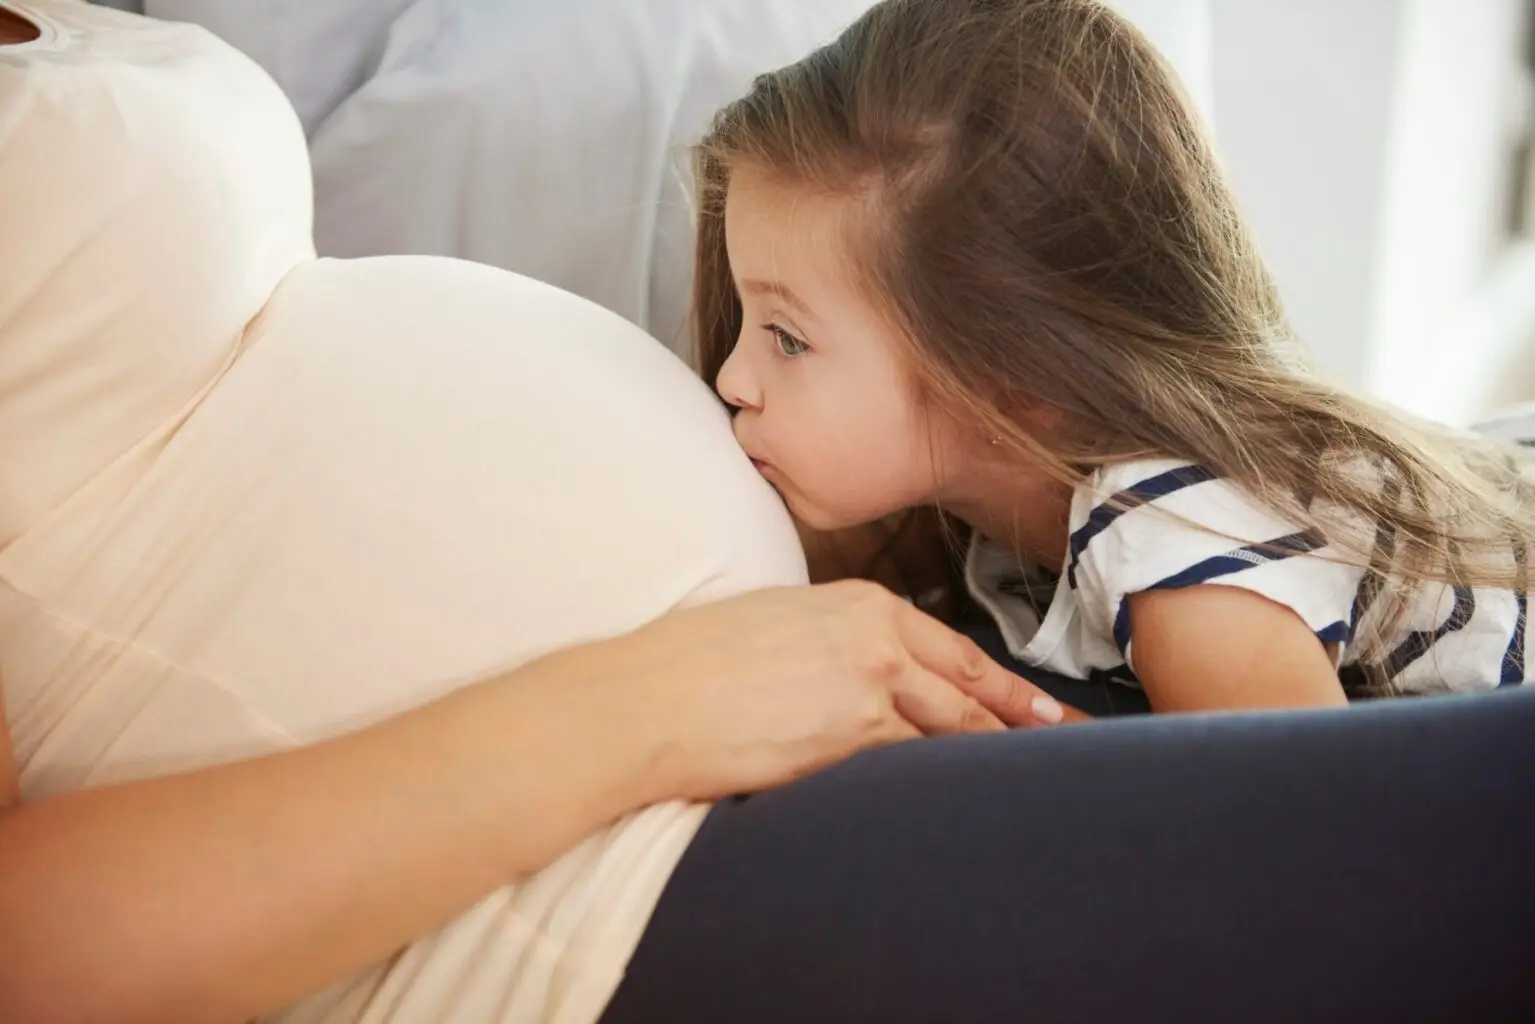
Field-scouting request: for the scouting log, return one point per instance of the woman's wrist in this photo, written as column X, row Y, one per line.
column 603, row 746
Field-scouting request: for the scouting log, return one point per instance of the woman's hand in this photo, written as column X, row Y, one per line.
column 754, row 691
column 420, row 815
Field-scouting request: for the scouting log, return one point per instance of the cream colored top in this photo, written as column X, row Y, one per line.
column 249, row 498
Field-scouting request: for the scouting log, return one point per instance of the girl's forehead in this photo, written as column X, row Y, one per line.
column 775, row 227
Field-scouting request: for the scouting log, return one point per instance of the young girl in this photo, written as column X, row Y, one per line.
column 979, row 256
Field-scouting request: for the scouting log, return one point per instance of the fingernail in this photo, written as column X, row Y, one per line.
column 1047, row 710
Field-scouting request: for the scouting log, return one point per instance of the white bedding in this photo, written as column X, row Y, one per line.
column 319, row 51
column 549, row 138
column 544, row 136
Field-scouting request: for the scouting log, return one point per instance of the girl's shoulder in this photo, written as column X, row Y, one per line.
column 1167, row 524
column 1160, row 510
column 1178, row 487
column 1179, row 492
column 1141, row 480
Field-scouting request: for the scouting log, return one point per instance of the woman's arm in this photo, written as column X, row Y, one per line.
column 10, row 791
column 219, row 894
column 1215, row 648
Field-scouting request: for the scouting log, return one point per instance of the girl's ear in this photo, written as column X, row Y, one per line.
column 1044, row 420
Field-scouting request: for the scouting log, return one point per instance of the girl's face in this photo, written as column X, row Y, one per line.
column 825, row 407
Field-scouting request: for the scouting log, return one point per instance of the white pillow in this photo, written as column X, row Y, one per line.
column 547, row 138
column 319, row 51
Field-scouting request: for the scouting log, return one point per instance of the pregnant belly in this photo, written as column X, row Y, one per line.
column 418, row 471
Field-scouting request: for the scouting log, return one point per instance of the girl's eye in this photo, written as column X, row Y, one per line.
column 788, row 345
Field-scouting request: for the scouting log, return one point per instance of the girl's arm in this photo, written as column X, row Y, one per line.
column 1209, row 648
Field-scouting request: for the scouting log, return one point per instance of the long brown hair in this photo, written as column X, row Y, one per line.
column 1043, row 217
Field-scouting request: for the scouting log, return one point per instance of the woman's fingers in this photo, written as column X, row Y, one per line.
column 959, row 661
column 1016, row 700
column 903, row 730
column 936, row 706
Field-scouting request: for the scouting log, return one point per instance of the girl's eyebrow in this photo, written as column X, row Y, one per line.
column 757, row 286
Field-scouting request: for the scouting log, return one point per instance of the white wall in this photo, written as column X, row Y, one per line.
column 1181, row 29
column 1303, row 92
column 1365, row 140
column 1453, row 301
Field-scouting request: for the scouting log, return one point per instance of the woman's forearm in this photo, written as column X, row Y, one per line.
column 221, row 893
column 218, row 894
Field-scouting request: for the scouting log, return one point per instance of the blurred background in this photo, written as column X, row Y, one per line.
column 1382, row 150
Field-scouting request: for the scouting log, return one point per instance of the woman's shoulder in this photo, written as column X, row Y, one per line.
column 73, row 31
column 99, row 98
column 160, row 191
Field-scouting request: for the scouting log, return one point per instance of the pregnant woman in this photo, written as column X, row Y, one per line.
column 359, row 665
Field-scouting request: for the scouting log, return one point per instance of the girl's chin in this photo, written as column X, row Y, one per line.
column 843, row 551
column 809, row 520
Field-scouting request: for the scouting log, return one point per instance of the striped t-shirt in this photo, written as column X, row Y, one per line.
column 1178, row 534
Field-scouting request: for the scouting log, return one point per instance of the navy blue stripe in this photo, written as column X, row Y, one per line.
column 1513, row 658
column 1122, row 628
column 1338, row 633
column 1250, row 557
column 1143, row 493
column 1120, row 674
column 1418, row 643
column 1369, row 586
column 1372, row 581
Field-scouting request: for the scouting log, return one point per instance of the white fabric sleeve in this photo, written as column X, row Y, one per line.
column 1205, row 531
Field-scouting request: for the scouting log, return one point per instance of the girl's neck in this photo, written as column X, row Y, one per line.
column 1028, row 514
